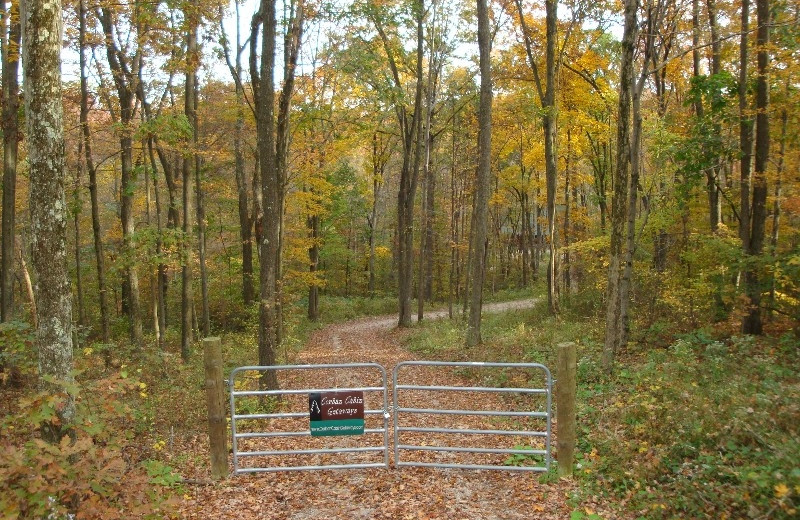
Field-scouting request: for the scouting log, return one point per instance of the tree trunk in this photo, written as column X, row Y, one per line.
column 745, row 131
column 26, row 277
column 245, row 222
column 566, row 267
column 751, row 324
column 620, row 198
column 125, row 77
column 41, row 50
column 161, row 269
column 712, row 174
column 483, row 178
column 550, row 150
column 10, row 56
column 77, row 236
column 90, row 167
column 313, row 261
column 265, row 103
column 412, row 155
column 201, row 233
column 187, row 294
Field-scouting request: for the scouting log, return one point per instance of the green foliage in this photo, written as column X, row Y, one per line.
column 172, row 129
column 707, row 428
column 702, row 149
column 519, row 459
column 161, row 474
column 85, row 474
column 786, row 273
column 17, row 356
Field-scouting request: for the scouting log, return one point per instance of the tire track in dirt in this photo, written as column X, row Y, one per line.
column 397, row 493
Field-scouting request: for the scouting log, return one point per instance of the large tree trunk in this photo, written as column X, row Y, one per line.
column 483, row 177
column 270, row 187
column 751, row 324
column 620, row 198
column 10, row 55
column 41, row 50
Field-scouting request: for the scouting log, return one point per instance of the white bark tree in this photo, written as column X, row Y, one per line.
column 44, row 122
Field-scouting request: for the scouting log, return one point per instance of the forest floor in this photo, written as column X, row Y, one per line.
column 397, row 493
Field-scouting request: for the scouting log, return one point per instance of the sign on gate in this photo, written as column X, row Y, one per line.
column 336, row 413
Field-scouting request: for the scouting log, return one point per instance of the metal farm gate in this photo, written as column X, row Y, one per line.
column 262, row 419
column 242, row 413
column 528, row 458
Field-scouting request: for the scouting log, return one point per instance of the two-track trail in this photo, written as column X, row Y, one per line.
column 396, row 493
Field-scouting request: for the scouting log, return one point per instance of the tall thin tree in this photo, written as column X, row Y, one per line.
column 480, row 211
column 10, row 34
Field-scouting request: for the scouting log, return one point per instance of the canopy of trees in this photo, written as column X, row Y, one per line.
column 640, row 159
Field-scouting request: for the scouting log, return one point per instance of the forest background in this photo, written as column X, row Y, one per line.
column 634, row 164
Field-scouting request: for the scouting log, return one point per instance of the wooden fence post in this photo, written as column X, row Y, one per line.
column 215, row 399
column 565, row 407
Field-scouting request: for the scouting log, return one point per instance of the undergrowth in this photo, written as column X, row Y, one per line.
column 703, row 427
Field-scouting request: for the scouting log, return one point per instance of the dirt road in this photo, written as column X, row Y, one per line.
column 396, row 493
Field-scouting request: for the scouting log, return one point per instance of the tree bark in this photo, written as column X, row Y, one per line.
column 482, row 178
column 776, row 205
column 125, row 79
column 751, row 323
column 189, row 167
column 270, row 186
column 90, row 167
column 11, row 36
column 41, row 50
column 745, row 131
column 620, row 198
column 161, row 269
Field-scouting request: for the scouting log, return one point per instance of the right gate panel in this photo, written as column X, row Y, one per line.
column 441, row 421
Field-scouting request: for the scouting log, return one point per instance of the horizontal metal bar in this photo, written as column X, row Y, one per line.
column 471, row 364
column 540, row 469
column 473, row 389
column 256, row 368
column 411, row 447
column 307, row 391
column 289, row 415
column 260, row 435
column 523, row 433
column 305, row 468
column 309, row 452
column 438, row 411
